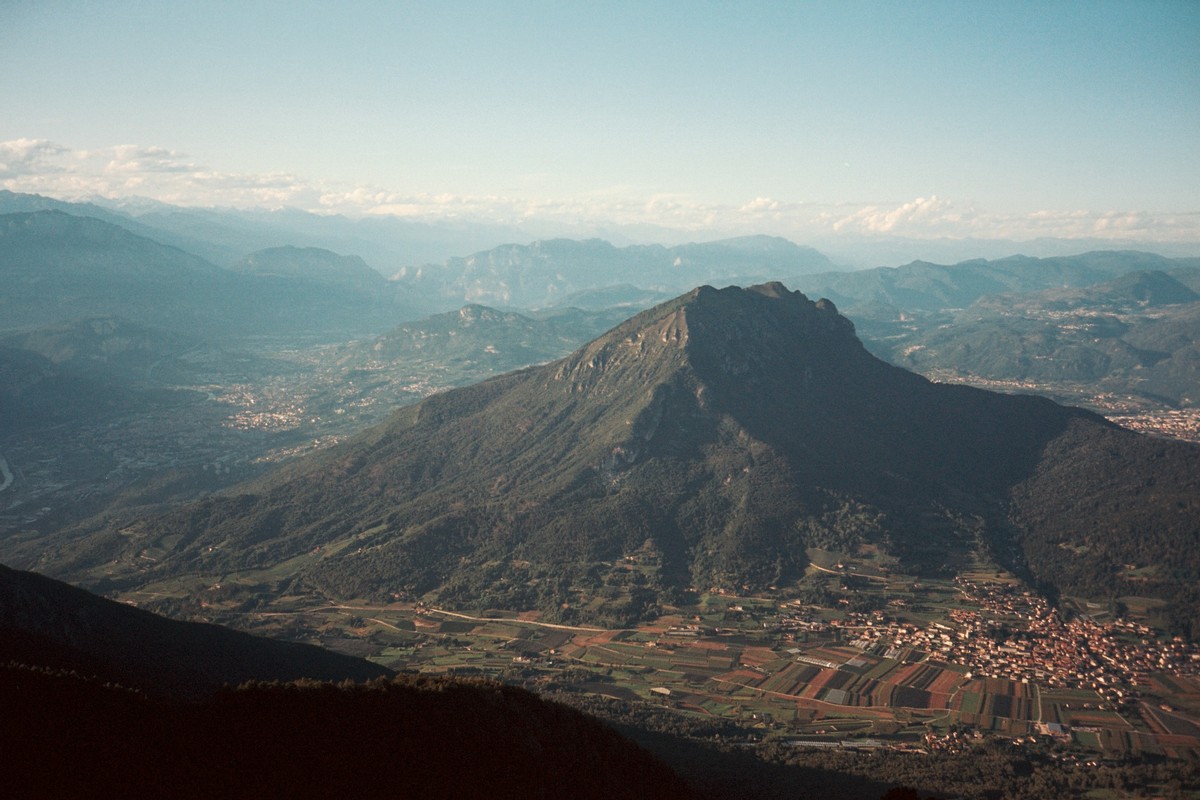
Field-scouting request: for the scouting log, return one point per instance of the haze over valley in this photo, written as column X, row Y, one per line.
column 649, row 400
column 228, row 449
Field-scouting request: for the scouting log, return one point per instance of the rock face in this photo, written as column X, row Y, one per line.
column 708, row 441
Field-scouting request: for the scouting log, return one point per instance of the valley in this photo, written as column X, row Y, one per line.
column 210, row 416
column 895, row 662
column 697, row 401
column 723, row 513
column 229, row 422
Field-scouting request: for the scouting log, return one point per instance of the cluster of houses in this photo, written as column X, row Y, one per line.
column 1006, row 632
column 1017, row 635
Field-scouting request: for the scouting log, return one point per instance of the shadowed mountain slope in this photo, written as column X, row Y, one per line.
column 711, row 439
column 34, row 390
column 47, row 623
column 108, row 348
column 407, row 737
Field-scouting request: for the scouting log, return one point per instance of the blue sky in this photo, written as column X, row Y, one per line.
column 914, row 118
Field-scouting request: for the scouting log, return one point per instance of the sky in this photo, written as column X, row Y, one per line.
column 923, row 119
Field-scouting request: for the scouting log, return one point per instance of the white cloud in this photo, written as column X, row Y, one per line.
column 132, row 158
column 921, row 215
column 760, row 205
column 43, row 167
column 21, row 157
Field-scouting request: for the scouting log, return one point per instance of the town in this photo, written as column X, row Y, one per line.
column 940, row 665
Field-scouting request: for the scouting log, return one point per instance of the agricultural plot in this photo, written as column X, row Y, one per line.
column 995, row 704
column 894, row 670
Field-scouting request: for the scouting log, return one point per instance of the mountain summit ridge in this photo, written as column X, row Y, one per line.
column 713, row 438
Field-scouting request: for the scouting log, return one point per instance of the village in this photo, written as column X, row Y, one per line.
column 942, row 665
column 1017, row 635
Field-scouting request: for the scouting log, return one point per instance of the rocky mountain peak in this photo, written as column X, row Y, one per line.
column 732, row 429
column 752, row 336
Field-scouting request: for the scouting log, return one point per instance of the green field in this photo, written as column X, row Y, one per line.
column 782, row 666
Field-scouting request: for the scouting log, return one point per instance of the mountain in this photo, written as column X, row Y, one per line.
column 622, row 295
column 710, row 441
column 488, row 340
column 925, row 287
column 17, row 203
column 865, row 251
column 106, row 348
column 105, row 700
column 414, row 736
column 386, row 241
column 58, row 267
column 1129, row 292
column 36, row 391
column 83, row 370
column 546, row 273
column 46, row 623
column 314, row 265
column 1137, row 334
column 321, row 287
column 1147, row 289
column 226, row 236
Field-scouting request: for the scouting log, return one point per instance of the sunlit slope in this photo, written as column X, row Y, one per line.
column 713, row 439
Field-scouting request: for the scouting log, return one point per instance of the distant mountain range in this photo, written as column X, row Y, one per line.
column 61, row 265
column 923, row 287
column 225, row 236
column 547, row 273
column 58, row 267
column 1139, row 333
column 313, row 264
column 712, row 440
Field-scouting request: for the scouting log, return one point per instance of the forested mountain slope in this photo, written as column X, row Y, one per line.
column 711, row 440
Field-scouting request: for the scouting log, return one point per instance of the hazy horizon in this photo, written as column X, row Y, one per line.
column 814, row 121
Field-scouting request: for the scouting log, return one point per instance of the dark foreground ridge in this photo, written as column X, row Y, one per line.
column 404, row 737
column 714, row 438
column 49, row 624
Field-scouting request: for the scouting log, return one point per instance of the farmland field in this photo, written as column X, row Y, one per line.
column 930, row 659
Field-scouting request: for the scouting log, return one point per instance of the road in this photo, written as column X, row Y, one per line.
column 444, row 612
column 556, row 626
column 879, row 578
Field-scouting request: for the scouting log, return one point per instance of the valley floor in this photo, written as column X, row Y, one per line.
column 937, row 666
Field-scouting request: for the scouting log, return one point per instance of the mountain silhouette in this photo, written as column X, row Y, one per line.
column 46, row 623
